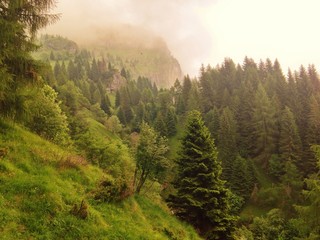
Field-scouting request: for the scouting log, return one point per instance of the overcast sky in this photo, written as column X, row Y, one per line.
column 207, row 31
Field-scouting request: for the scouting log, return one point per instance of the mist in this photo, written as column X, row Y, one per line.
column 176, row 21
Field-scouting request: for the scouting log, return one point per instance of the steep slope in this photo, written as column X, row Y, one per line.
column 133, row 48
column 42, row 183
column 140, row 51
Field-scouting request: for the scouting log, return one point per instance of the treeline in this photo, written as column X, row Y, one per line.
column 261, row 120
column 255, row 112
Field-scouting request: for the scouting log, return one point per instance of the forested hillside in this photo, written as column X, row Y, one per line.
column 92, row 148
column 140, row 52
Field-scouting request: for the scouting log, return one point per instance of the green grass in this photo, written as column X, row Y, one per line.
column 174, row 142
column 39, row 187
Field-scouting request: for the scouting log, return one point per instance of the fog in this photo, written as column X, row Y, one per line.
column 176, row 21
column 207, row 31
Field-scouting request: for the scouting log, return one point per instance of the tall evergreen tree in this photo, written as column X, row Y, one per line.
column 212, row 119
column 205, row 90
column 227, row 142
column 244, row 117
column 201, row 197
column 193, row 102
column 264, row 123
column 289, row 141
column 310, row 212
column 186, row 88
column 170, row 121
column 19, row 22
column 312, row 137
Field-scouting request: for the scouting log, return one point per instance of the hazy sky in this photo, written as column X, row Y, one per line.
column 207, row 31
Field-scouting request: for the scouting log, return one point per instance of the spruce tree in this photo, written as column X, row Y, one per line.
column 212, row 120
column 227, row 142
column 289, row 139
column 264, row 123
column 171, row 121
column 310, row 212
column 312, row 136
column 19, row 23
column 201, row 198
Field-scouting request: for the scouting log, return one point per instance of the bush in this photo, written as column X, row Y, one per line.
column 47, row 118
column 270, row 197
column 111, row 190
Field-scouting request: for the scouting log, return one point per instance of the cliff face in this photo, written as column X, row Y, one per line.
column 139, row 51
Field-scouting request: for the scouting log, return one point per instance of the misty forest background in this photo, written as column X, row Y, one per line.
column 111, row 141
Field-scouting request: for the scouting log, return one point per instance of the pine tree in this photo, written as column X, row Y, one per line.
column 242, row 178
column 227, row 142
column 193, row 102
column 289, row 141
column 19, row 23
column 312, row 137
column 171, row 122
column 205, row 90
column 186, row 88
column 94, row 74
column 304, row 92
column 160, row 125
column 105, row 104
column 201, row 197
column 310, row 212
column 117, row 101
column 212, row 119
column 264, row 127
column 244, row 119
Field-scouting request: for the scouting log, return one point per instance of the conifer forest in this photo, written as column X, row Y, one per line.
column 113, row 141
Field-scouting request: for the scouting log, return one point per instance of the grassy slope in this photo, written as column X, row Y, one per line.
column 40, row 183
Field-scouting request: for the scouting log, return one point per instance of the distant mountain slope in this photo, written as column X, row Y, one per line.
column 135, row 49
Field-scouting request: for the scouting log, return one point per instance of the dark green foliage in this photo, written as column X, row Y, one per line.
column 206, row 90
column 276, row 166
column 160, row 125
column 312, row 136
column 212, row 119
column 193, row 101
column 227, row 139
column 264, row 123
column 105, row 104
column 117, row 103
column 289, row 139
column 242, row 179
column 171, row 122
column 19, row 22
column 201, row 197
column 310, row 212
column 186, row 87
